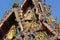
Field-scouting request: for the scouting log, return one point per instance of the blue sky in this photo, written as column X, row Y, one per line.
column 5, row 5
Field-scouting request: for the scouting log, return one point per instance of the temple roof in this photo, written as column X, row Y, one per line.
column 10, row 16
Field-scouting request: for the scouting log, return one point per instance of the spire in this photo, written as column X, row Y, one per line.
column 16, row 1
column 39, row 0
column 15, row 4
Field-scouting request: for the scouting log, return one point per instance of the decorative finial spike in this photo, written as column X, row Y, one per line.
column 40, row 0
column 16, row 1
column 15, row 4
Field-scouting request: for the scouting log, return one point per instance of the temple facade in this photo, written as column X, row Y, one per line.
column 31, row 20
